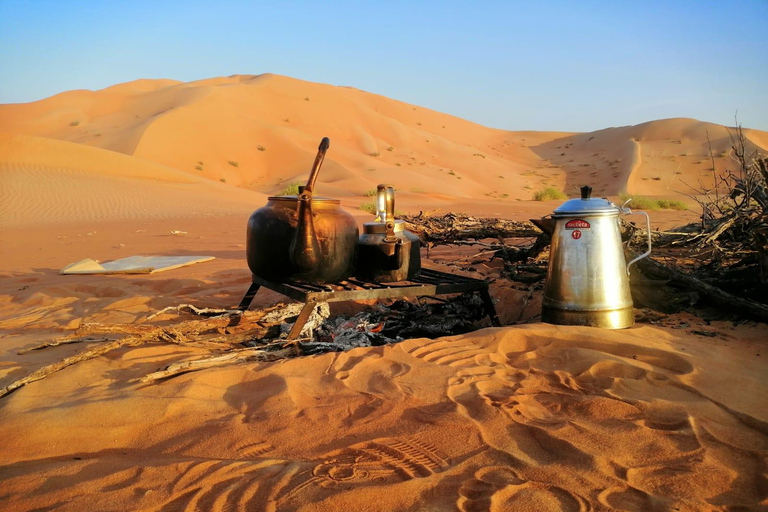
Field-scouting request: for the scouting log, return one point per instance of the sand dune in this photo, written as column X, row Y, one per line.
column 668, row 157
column 44, row 181
column 270, row 127
column 260, row 132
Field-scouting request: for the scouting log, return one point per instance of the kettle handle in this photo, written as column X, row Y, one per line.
column 385, row 203
column 648, row 229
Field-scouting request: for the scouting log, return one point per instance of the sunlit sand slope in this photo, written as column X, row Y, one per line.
column 530, row 417
column 49, row 181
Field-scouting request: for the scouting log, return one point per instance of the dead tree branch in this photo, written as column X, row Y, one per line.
column 239, row 356
column 453, row 227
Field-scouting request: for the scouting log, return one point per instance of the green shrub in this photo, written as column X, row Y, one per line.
column 261, row 148
column 370, row 193
column 292, row 189
column 549, row 193
column 648, row 203
column 74, row 123
column 233, row 163
column 374, row 154
column 368, row 207
column 222, row 180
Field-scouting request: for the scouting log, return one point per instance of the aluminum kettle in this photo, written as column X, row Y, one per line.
column 588, row 277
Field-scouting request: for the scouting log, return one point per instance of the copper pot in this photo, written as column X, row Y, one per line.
column 302, row 238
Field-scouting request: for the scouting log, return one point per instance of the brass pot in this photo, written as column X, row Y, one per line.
column 302, row 238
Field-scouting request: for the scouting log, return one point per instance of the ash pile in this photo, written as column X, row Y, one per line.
column 388, row 324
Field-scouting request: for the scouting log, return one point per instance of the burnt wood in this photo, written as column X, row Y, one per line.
column 429, row 283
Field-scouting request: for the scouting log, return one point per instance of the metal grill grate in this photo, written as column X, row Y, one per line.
column 429, row 283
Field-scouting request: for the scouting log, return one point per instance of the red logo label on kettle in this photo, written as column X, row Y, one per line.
column 576, row 234
column 577, row 224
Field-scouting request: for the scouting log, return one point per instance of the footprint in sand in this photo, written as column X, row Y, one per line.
column 451, row 352
column 629, row 499
column 233, row 485
column 515, row 411
column 253, row 450
column 382, row 461
column 500, row 488
column 228, row 486
column 475, row 493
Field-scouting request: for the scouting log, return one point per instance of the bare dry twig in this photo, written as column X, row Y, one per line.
column 239, row 356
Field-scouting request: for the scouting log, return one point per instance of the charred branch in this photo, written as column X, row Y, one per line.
column 453, row 227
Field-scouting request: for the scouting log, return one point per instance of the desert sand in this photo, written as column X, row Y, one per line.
column 671, row 414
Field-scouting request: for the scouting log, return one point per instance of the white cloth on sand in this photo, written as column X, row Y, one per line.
column 133, row 265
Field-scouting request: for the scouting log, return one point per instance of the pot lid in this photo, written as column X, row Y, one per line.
column 371, row 228
column 587, row 205
column 295, row 199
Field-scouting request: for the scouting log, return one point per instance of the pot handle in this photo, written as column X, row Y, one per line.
column 385, row 203
column 627, row 211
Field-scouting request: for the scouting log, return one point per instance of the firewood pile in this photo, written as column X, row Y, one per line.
column 724, row 258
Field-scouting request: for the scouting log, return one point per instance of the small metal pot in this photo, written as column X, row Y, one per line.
column 588, row 278
column 387, row 252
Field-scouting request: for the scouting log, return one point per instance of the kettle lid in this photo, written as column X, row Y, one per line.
column 295, row 199
column 371, row 228
column 587, row 205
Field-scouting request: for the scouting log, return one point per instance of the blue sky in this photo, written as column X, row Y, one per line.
column 571, row 66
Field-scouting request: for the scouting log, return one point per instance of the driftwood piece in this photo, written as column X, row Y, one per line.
column 239, row 356
column 63, row 341
column 743, row 307
column 69, row 361
column 189, row 308
column 722, row 226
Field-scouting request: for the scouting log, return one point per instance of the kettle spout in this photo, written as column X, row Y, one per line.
column 305, row 250
column 547, row 225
